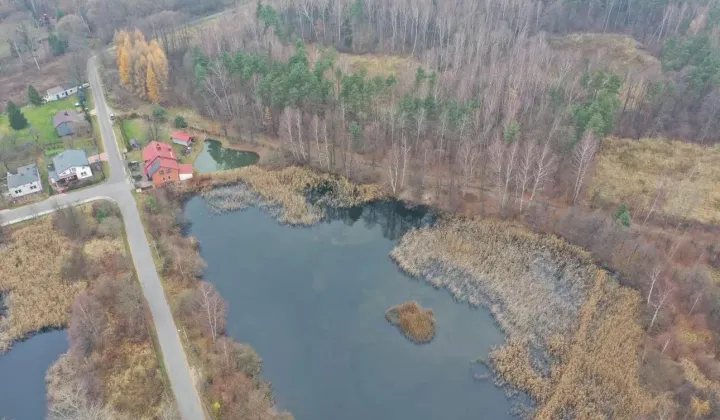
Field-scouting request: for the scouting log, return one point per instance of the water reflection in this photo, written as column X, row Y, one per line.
column 214, row 158
column 22, row 375
column 312, row 302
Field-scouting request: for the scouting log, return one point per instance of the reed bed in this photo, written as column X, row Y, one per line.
column 534, row 285
column 284, row 192
column 573, row 331
column 416, row 323
column 35, row 295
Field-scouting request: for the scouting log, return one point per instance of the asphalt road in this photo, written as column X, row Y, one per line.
column 118, row 189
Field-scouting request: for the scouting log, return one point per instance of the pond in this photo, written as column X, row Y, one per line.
column 312, row 301
column 23, row 369
column 215, row 158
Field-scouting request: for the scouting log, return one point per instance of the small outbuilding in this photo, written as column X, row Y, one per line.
column 182, row 138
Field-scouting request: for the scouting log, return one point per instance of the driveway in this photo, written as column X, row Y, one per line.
column 118, row 189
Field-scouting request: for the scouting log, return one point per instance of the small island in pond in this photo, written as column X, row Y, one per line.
column 416, row 323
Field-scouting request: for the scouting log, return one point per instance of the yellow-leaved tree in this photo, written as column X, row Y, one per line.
column 157, row 72
column 124, row 48
column 142, row 66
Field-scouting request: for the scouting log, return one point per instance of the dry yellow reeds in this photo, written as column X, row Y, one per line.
column 416, row 323
column 35, row 294
column 540, row 289
column 284, row 191
column 533, row 284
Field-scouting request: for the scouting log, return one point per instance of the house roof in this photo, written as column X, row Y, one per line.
column 55, row 90
column 25, row 175
column 70, row 159
column 156, row 149
column 65, row 116
column 159, row 163
column 180, row 135
column 185, row 168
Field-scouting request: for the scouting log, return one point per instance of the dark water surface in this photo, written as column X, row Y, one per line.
column 312, row 303
column 22, row 375
column 215, row 158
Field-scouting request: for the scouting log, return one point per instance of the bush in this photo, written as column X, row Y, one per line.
column 180, row 122
column 110, row 226
column 622, row 216
column 159, row 113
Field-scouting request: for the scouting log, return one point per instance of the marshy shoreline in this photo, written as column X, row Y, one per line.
column 544, row 293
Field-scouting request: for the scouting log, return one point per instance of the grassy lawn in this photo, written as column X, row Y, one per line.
column 40, row 119
column 631, row 171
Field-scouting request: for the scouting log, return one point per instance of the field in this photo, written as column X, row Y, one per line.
column 685, row 178
column 620, row 52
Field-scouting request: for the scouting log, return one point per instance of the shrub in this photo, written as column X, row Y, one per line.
column 111, row 226
column 622, row 216
column 180, row 122
column 159, row 113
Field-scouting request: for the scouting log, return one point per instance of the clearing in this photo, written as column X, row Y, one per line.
column 686, row 175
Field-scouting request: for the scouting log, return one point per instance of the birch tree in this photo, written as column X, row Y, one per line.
column 211, row 308
column 583, row 156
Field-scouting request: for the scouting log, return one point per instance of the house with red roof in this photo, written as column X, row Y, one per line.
column 162, row 166
column 182, row 138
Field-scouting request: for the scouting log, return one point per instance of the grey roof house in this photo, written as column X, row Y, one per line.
column 70, row 165
column 63, row 122
column 25, row 181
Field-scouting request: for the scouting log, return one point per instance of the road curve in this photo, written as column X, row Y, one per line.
column 118, row 189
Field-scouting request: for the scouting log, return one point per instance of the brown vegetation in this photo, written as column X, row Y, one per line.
column 283, row 191
column 34, row 292
column 669, row 178
column 416, row 323
column 538, row 288
column 228, row 373
column 72, row 270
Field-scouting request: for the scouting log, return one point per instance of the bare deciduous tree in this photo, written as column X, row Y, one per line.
column 583, row 156
column 212, row 309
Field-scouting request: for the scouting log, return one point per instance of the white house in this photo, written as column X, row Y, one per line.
column 70, row 165
column 26, row 181
column 59, row 92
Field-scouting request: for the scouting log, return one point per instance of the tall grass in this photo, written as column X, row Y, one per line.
column 35, row 295
column 284, row 192
column 630, row 171
column 548, row 296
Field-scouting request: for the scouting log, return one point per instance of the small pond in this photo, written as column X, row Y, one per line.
column 312, row 303
column 215, row 158
column 22, row 369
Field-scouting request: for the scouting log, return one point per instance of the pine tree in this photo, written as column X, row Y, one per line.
column 34, row 97
column 15, row 117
